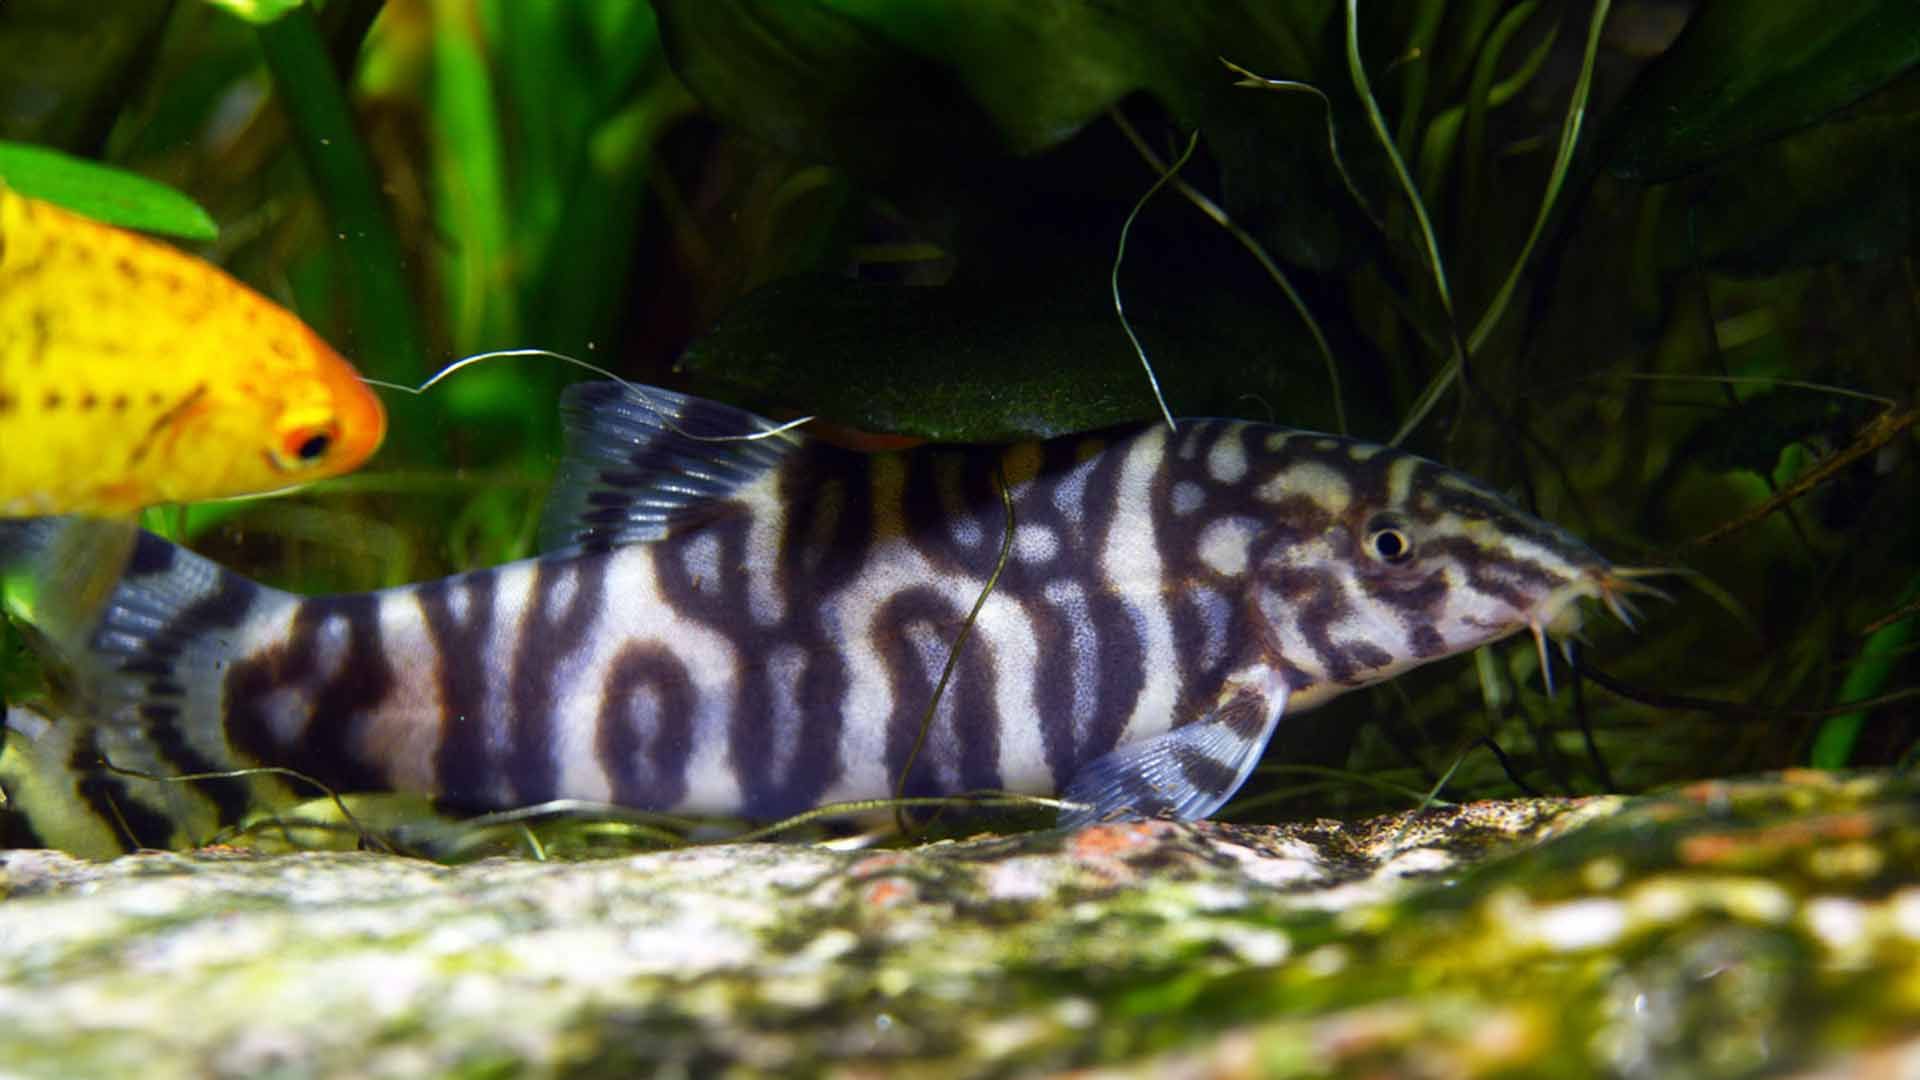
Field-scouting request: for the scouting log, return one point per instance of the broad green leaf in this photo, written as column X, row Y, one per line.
column 945, row 363
column 1747, row 71
column 257, row 11
column 103, row 193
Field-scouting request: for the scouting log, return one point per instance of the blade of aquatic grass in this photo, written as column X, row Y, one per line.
column 549, row 115
column 1833, row 744
column 575, row 298
column 1261, row 82
column 258, row 12
column 1427, row 17
column 1479, row 102
column 1436, row 267
column 1563, row 159
column 389, row 341
column 1472, row 20
column 1246, row 240
column 1120, row 253
column 470, row 199
column 1364, row 88
column 1443, row 134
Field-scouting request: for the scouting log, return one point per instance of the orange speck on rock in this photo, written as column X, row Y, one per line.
column 1096, row 841
column 1710, row 849
column 877, row 863
column 888, row 892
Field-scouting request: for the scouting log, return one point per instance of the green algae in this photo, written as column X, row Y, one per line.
column 1715, row 931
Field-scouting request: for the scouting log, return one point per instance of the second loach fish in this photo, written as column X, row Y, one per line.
column 731, row 618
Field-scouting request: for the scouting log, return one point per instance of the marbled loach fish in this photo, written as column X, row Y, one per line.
column 733, row 619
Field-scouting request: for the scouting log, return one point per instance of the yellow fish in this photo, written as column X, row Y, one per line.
column 132, row 373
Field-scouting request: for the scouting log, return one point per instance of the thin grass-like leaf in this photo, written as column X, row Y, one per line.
column 1569, row 139
column 1358, row 70
column 1219, row 216
column 470, row 170
column 390, row 342
column 1479, row 102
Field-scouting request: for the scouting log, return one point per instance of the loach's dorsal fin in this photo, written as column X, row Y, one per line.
column 639, row 458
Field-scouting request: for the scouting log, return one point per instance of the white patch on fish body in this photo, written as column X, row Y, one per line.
column 1227, row 460
column 1006, row 630
column 1069, row 597
column 1321, row 483
column 1133, row 571
column 766, row 528
column 713, row 667
column 700, row 562
column 1400, row 476
column 1215, row 611
column 1035, row 543
column 1224, row 545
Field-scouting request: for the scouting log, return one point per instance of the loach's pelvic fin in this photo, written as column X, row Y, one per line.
column 640, row 459
column 1189, row 772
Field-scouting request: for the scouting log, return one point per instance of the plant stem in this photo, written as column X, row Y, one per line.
column 390, row 343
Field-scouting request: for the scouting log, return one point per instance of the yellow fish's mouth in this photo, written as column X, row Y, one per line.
column 361, row 418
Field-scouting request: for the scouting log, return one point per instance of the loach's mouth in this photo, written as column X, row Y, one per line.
column 1558, row 614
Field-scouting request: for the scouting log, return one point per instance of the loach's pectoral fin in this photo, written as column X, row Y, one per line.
column 1189, row 772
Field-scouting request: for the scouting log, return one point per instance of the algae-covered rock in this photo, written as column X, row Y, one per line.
column 1725, row 929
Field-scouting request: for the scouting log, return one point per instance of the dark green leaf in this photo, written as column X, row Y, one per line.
column 941, row 89
column 821, row 85
column 946, row 363
column 1839, row 192
column 68, row 67
column 114, row 196
column 1746, row 71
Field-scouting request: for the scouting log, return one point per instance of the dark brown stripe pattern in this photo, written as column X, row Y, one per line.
column 1150, row 575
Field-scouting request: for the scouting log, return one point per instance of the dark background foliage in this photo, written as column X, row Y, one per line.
column 1690, row 337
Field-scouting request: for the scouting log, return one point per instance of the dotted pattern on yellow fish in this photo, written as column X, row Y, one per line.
column 132, row 373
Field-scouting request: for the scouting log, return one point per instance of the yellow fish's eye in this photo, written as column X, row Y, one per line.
column 305, row 446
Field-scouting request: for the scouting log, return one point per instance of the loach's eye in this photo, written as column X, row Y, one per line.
column 1388, row 539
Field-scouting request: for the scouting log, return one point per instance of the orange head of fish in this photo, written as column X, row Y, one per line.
column 323, row 424
column 332, row 425
column 297, row 413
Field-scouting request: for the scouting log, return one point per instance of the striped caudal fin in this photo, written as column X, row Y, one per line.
column 136, row 671
column 59, row 792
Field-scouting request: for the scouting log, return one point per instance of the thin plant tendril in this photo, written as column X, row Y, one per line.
column 1219, row 217
column 502, row 354
column 959, row 642
column 1121, row 253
